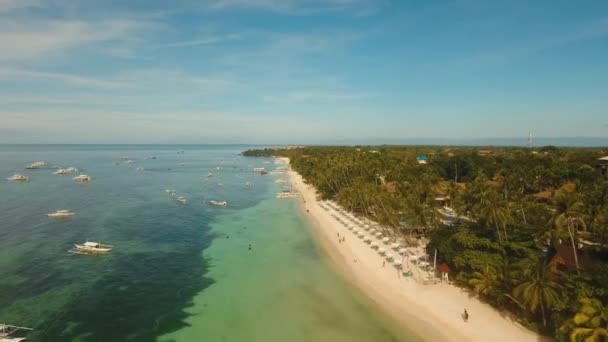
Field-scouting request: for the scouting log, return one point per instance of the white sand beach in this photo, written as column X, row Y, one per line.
column 432, row 311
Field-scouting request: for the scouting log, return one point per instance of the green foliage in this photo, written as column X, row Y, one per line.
column 511, row 203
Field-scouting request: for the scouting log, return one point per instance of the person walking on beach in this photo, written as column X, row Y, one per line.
column 355, row 260
column 465, row 315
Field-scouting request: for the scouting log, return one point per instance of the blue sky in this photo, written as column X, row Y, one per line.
column 300, row 71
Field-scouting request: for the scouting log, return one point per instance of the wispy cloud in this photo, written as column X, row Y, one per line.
column 20, row 74
column 168, row 77
column 313, row 96
column 211, row 39
column 301, row 7
column 33, row 39
column 11, row 5
column 64, row 125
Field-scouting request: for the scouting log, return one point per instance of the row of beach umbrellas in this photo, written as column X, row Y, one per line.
column 360, row 228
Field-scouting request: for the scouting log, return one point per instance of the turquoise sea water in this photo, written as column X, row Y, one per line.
column 180, row 272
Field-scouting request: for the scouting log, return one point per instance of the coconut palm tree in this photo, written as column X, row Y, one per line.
column 495, row 211
column 485, row 282
column 538, row 292
column 568, row 219
column 589, row 323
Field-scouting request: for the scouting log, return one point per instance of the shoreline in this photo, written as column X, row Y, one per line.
column 432, row 312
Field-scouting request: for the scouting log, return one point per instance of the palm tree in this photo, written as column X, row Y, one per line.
column 494, row 211
column 485, row 282
column 539, row 290
column 590, row 322
column 569, row 218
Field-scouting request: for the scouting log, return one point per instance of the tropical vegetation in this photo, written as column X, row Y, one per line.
column 531, row 229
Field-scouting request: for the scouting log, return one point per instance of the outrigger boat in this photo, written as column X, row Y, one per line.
column 181, row 199
column 82, row 178
column 90, row 247
column 287, row 194
column 8, row 332
column 65, row 171
column 61, row 214
column 18, row 178
column 36, row 165
column 219, row 203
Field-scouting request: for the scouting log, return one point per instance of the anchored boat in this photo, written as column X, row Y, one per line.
column 8, row 333
column 18, row 178
column 82, row 178
column 90, row 247
column 61, row 214
column 36, row 165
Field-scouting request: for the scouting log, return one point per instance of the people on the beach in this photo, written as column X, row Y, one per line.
column 465, row 315
column 383, row 263
column 355, row 260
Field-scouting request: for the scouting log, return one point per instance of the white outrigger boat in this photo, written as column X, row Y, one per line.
column 8, row 332
column 219, row 203
column 61, row 214
column 36, row 165
column 181, row 199
column 82, row 178
column 65, row 171
column 287, row 194
column 18, row 178
column 90, row 247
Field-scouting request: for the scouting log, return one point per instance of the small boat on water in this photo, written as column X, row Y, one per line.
column 8, row 333
column 259, row 169
column 36, row 165
column 219, row 203
column 181, row 199
column 210, row 175
column 287, row 194
column 90, row 247
column 18, row 178
column 61, row 214
column 82, row 178
column 65, row 171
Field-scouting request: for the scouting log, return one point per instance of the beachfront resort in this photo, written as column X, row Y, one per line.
column 517, row 236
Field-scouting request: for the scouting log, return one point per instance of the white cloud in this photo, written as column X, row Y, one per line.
column 300, row 7
column 11, row 5
column 313, row 96
column 20, row 74
column 33, row 39
column 208, row 40
column 68, row 125
column 174, row 77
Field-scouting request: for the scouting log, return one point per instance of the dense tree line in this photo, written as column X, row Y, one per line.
column 532, row 236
